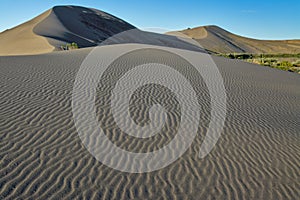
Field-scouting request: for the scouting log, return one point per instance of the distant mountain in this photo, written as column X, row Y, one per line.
column 218, row 40
column 87, row 27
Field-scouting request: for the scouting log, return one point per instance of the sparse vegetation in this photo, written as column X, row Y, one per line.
column 69, row 46
column 287, row 62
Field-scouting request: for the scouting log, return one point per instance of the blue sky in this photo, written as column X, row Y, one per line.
column 258, row 18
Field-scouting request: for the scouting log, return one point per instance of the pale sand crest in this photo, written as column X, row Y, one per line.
column 42, row 156
column 22, row 39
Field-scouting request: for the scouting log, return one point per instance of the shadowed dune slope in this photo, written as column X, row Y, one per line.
column 216, row 39
column 58, row 26
column 85, row 26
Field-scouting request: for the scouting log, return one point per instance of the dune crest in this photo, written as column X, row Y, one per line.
column 196, row 33
column 216, row 39
column 86, row 27
column 22, row 39
column 60, row 25
column 89, row 27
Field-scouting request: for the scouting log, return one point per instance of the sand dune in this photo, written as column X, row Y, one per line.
column 22, row 39
column 218, row 40
column 89, row 27
column 42, row 156
column 58, row 26
column 85, row 26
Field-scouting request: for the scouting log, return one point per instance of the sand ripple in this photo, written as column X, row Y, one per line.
column 42, row 156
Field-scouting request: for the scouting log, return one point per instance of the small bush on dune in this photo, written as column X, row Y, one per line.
column 286, row 64
column 69, row 46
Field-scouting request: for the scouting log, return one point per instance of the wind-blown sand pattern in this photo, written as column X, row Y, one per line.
column 42, row 156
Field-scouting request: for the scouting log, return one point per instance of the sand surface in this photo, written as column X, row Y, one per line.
column 42, row 156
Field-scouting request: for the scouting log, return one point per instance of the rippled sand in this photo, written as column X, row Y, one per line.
column 42, row 156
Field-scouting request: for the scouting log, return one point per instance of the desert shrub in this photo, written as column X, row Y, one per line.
column 241, row 56
column 286, row 64
column 244, row 56
column 74, row 45
column 231, row 56
column 69, row 46
column 285, row 68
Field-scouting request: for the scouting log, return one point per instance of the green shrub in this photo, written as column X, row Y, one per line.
column 286, row 64
column 69, row 46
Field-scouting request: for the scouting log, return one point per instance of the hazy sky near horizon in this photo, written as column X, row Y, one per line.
column 257, row 19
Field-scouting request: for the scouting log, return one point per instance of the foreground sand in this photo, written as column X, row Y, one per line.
column 257, row 157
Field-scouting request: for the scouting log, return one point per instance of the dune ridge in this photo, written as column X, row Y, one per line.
column 60, row 25
column 23, row 40
column 89, row 27
column 218, row 40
